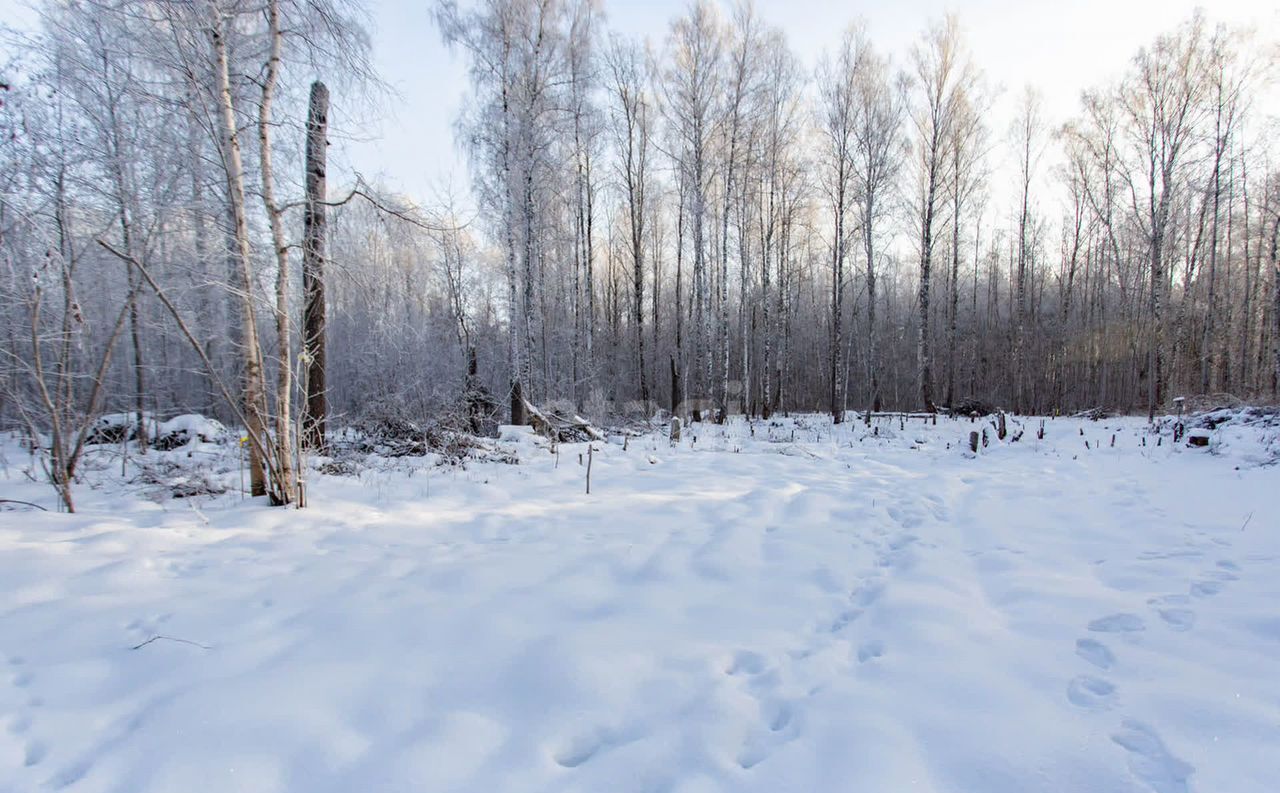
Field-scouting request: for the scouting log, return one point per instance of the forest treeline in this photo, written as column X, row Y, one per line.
column 701, row 223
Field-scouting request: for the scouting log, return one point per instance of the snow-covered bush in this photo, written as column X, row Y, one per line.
column 181, row 430
column 179, row 478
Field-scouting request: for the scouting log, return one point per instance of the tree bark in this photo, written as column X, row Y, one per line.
column 313, row 277
column 254, row 388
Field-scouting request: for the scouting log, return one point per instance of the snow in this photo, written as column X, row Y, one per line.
column 786, row 609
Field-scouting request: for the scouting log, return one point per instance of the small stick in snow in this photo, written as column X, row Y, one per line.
column 590, row 454
column 172, row 639
column 23, row 503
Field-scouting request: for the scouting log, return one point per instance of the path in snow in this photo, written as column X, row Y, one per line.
column 742, row 614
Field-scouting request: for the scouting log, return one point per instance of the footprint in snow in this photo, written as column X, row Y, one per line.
column 843, row 619
column 868, row 593
column 575, row 755
column 746, row 662
column 1178, row 619
column 34, row 753
column 1118, row 623
column 1214, row 581
column 1206, row 589
column 779, row 718
column 1150, row 760
column 870, row 650
column 752, row 755
column 583, row 746
column 908, row 519
column 1091, row 693
column 1095, row 652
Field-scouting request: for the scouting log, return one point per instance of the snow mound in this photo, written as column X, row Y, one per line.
column 181, row 430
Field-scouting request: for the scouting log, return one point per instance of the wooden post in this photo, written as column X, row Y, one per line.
column 973, row 442
column 590, row 454
column 1002, row 431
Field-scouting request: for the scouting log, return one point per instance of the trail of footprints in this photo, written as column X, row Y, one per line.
column 1149, row 759
column 24, row 716
column 767, row 684
column 19, row 725
column 780, row 686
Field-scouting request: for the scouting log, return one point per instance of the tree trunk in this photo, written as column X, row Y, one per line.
column 313, row 278
column 284, row 486
column 254, row 387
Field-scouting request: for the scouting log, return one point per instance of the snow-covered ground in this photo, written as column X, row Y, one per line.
column 789, row 609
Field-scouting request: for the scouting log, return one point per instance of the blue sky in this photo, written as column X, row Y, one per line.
column 1061, row 46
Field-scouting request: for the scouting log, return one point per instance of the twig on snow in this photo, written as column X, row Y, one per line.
column 23, row 503
column 172, row 639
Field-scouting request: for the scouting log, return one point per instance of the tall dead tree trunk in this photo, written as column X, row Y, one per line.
column 1275, row 300
column 313, row 244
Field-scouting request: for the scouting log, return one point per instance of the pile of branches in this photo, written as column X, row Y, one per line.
column 1212, row 403
column 116, row 428
column 561, row 426
column 1252, row 416
column 1094, row 414
column 972, row 406
column 384, row 431
column 178, row 480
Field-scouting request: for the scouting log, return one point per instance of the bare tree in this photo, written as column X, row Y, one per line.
column 1028, row 134
column 879, row 109
column 1161, row 100
column 632, row 131
column 838, row 81
column 941, row 72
